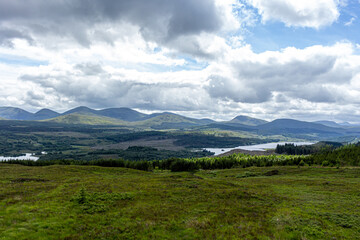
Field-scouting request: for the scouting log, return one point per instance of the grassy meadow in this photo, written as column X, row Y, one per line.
column 91, row 202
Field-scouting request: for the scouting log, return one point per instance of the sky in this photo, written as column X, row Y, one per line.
column 213, row 59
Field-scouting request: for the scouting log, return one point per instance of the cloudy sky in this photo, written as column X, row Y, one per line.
column 205, row 58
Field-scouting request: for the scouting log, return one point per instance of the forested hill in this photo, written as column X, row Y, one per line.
column 241, row 125
column 348, row 155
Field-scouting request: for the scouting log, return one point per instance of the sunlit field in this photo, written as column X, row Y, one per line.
column 91, row 202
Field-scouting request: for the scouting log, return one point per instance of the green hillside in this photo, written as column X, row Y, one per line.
column 86, row 119
column 125, row 114
column 169, row 121
column 287, row 129
column 82, row 110
column 301, row 129
column 245, row 120
column 87, row 202
column 164, row 121
column 348, row 155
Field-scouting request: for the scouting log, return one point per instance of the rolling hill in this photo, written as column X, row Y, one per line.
column 160, row 121
column 125, row 114
column 297, row 128
column 86, row 119
column 329, row 124
column 226, row 126
column 249, row 121
column 171, row 121
column 12, row 113
column 129, row 118
column 81, row 109
column 45, row 114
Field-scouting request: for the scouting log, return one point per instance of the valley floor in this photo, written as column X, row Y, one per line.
column 86, row 202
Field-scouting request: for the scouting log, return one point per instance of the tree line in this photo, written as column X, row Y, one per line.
column 344, row 156
column 178, row 164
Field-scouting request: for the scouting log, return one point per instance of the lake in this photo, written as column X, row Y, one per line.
column 258, row 147
column 27, row 156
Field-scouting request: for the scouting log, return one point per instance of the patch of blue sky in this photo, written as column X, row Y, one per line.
column 189, row 65
column 273, row 36
column 158, row 68
column 193, row 64
column 157, row 50
column 20, row 61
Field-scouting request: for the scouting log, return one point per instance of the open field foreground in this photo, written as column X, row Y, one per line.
column 87, row 202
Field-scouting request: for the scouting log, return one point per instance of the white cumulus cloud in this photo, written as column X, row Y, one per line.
column 304, row 13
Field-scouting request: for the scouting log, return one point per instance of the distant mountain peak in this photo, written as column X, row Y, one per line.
column 249, row 121
column 291, row 126
column 82, row 109
column 123, row 113
column 14, row 113
column 45, row 110
column 328, row 123
column 45, row 114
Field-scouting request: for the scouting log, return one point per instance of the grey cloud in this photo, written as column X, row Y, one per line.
column 158, row 20
column 90, row 68
column 192, row 18
column 255, row 81
column 222, row 98
column 190, row 45
column 6, row 35
column 193, row 45
column 315, row 93
column 101, row 91
column 294, row 71
column 34, row 99
column 281, row 98
column 164, row 97
column 238, row 91
column 33, row 95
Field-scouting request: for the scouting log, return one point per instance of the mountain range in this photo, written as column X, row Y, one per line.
column 131, row 118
